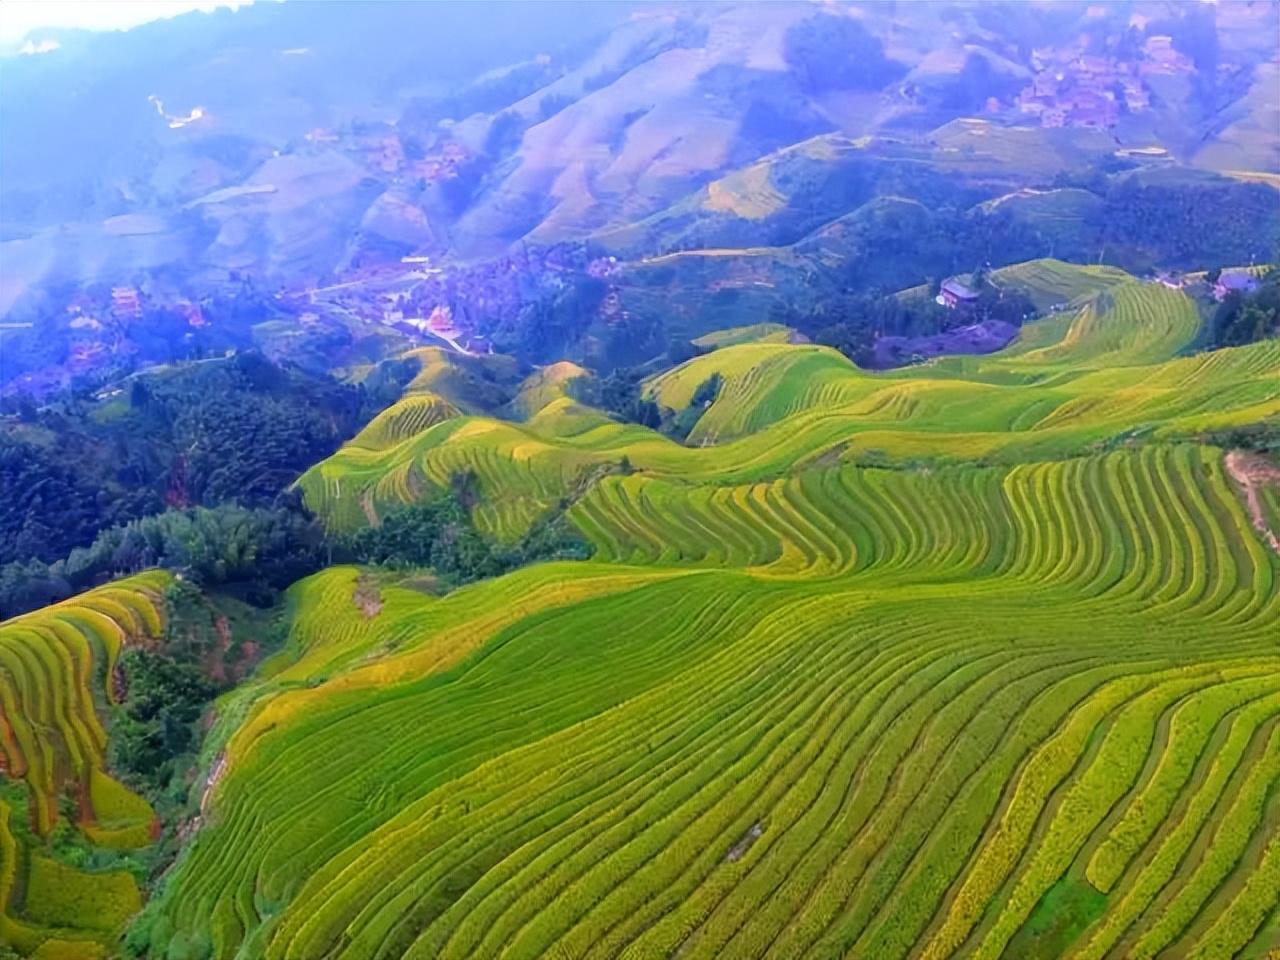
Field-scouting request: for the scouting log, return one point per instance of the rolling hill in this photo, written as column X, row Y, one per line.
column 1088, row 376
column 974, row 658
column 642, row 621
column 59, row 668
column 639, row 128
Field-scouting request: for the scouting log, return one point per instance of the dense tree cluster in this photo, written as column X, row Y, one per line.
column 157, row 723
column 1245, row 318
column 1263, row 437
column 240, row 430
column 552, row 320
column 838, row 53
column 254, row 552
column 166, row 688
column 46, row 508
column 438, row 533
column 1186, row 224
column 233, row 430
column 620, row 394
column 678, row 425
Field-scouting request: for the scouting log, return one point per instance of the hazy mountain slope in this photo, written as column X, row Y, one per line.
column 264, row 76
column 462, row 133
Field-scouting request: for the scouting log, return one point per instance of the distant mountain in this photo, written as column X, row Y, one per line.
column 296, row 144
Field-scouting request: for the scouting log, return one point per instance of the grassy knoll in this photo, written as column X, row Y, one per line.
column 60, row 896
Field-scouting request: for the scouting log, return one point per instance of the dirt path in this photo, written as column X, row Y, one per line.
column 744, row 843
column 366, row 504
column 1250, row 472
column 216, row 773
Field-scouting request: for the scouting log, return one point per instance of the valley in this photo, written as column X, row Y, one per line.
column 618, row 182
column 630, row 480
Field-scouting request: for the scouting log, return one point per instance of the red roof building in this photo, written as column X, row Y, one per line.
column 125, row 302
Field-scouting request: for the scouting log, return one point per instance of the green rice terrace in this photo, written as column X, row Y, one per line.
column 57, row 669
column 1114, row 366
column 977, row 658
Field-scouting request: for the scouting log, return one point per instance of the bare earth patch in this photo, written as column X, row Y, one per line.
column 1252, row 472
column 189, row 828
column 367, row 597
column 976, row 338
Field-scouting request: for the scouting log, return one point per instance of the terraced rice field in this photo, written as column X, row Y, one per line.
column 1013, row 691
column 1097, row 374
column 57, row 669
column 1010, row 710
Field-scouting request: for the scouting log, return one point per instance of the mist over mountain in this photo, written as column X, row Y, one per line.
column 583, row 90
column 295, row 146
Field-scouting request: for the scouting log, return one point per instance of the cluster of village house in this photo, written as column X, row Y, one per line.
column 1228, row 282
column 123, row 306
column 422, row 310
column 385, row 152
column 411, row 296
column 955, row 294
column 415, row 297
column 1072, row 88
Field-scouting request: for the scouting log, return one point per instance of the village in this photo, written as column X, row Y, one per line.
column 454, row 306
column 1074, row 87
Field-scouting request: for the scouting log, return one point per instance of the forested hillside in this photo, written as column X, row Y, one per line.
column 95, row 484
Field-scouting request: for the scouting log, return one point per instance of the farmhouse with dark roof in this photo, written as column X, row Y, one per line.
column 954, row 294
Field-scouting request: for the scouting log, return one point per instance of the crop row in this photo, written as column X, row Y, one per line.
column 1071, row 382
column 57, row 673
column 1160, row 525
column 918, row 702
column 55, row 668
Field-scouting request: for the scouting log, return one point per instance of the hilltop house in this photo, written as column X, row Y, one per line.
column 1229, row 283
column 125, row 302
column 192, row 313
column 955, row 294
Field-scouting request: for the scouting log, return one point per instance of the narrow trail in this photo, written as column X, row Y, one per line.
column 1250, row 472
column 215, row 775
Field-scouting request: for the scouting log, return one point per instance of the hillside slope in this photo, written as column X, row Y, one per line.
column 1086, row 376
column 1013, row 693
column 58, row 671
column 844, row 712
column 233, row 145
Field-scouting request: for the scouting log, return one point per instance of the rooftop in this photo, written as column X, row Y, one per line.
column 1237, row 281
column 958, row 289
